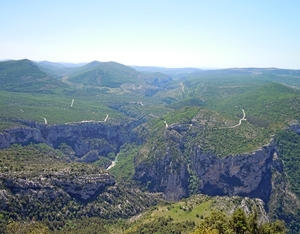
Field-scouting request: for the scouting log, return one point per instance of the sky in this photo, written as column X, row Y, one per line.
column 177, row 33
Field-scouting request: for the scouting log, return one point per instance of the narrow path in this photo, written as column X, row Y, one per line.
column 182, row 87
column 106, row 118
column 240, row 122
column 72, row 102
column 113, row 163
column 64, row 79
column 165, row 122
column 89, row 121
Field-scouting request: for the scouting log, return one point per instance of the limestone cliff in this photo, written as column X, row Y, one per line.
column 173, row 168
column 85, row 187
column 83, row 137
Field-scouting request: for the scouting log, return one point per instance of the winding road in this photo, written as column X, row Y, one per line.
column 165, row 122
column 106, row 118
column 182, row 87
column 240, row 121
column 72, row 102
column 113, row 163
column 89, row 121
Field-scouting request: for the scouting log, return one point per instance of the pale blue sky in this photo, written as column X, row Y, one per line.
column 190, row 33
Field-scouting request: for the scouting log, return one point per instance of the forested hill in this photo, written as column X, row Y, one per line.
column 24, row 75
column 108, row 74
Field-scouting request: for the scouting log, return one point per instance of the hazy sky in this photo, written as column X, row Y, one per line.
column 177, row 33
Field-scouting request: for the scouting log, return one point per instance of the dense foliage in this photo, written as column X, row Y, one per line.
column 238, row 222
column 108, row 74
column 289, row 148
column 24, row 76
column 23, row 169
column 217, row 222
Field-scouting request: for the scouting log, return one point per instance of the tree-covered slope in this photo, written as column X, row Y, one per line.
column 25, row 76
column 109, row 74
column 38, row 183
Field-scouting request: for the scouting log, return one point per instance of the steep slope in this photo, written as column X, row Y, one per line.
column 80, row 138
column 183, row 156
column 25, row 76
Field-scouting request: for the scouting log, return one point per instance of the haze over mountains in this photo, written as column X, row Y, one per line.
column 106, row 140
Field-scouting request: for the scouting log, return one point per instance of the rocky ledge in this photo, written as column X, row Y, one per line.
column 83, row 188
column 244, row 175
column 80, row 138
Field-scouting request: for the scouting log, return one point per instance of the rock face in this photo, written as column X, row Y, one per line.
column 83, row 188
column 164, row 176
column 244, row 175
column 171, row 171
column 174, row 170
column 23, row 135
column 81, row 137
column 58, row 196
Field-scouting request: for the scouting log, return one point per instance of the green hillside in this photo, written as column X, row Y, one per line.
column 203, row 214
column 271, row 104
column 267, row 108
column 25, row 76
column 55, row 108
column 109, row 74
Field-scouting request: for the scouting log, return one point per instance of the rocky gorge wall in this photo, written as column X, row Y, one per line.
column 175, row 169
column 245, row 175
column 81, row 138
column 51, row 186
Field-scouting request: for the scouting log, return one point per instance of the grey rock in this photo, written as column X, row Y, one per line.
column 81, row 137
column 84, row 188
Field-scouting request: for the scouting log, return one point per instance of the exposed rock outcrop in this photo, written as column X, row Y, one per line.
column 83, row 188
column 245, row 175
column 174, row 168
column 84, row 137
column 165, row 176
column 21, row 135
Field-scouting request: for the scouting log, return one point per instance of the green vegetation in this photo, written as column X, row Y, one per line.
column 40, row 168
column 238, row 222
column 170, row 118
column 108, row 74
column 124, row 168
column 203, row 214
column 289, row 149
column 24, row 76
column 56, row 109
column 26, row 228
column 273, row 104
